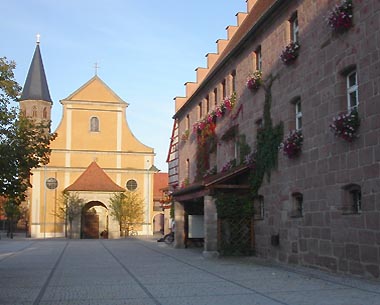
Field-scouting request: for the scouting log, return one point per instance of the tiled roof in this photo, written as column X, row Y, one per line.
column 160, row 181
column 36, row 87
column 94, row 179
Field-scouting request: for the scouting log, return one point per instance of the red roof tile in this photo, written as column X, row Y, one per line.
column 160, row 181
column 96, row 180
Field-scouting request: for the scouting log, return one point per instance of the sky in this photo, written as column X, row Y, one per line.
column 146, row 51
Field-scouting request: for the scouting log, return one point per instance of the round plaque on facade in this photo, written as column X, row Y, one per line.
column 51, row 183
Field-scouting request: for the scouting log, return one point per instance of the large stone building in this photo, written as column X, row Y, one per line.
column 94, row 155
column 320, row 206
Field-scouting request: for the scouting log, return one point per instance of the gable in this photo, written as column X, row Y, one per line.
column 95, row 90
column 94, row 179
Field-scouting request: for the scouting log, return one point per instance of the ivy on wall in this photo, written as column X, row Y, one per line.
column 206, row 144
column 268, row 141
column 231, row 205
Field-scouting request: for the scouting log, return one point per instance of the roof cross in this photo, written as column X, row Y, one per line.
column 96, row 66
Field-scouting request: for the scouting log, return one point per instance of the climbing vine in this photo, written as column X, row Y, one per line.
column 206, row 140
column 233, row 205
column 268, row 141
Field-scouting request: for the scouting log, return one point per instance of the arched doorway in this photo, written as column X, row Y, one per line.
column 158, row 223
column 94, row 220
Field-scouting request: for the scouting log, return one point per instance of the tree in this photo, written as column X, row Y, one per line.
column 12, row 212
column 127, row 208
column 71, row 208
column 24, row 143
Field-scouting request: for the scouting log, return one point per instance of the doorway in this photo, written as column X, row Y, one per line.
column 94, row 220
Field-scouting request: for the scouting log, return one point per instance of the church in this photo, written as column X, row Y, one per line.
column 94, row 156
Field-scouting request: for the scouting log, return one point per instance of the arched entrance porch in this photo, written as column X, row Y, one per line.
column 94, row 220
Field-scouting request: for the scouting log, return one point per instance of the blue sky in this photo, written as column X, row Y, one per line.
column 146, row 51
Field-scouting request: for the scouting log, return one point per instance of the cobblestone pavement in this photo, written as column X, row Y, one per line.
column 143, row 272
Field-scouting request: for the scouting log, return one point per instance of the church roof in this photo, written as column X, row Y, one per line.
column 95, row 90
column 94, row 179
column 36, row 87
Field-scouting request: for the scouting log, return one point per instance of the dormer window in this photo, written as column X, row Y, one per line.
column 94, row 124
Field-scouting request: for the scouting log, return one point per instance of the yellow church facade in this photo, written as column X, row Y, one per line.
column 94, row 155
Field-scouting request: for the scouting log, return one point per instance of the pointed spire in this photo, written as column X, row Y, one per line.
column 36, row 87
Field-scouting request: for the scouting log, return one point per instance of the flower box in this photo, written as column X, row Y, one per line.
column 346, row 125
column 292, row 145
column 254, row 80
column 340, row 17
column 290, row 53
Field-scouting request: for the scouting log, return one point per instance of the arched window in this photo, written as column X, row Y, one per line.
column 34, row 112
column 352, row 199
column 297, row 205
column 94, row 124
column 44, row 113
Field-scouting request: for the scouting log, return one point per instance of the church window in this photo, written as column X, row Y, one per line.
column 44, row 113
column 131, row 185
column 34, row 112
column 94, row 124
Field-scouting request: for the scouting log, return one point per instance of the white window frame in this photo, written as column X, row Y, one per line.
column 259, row 59
column 352, row 89
column 294, row 28
column 356, row 197
column 298, row 110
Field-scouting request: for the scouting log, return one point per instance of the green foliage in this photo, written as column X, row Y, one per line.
column 11, row 209
column 232, row 205
column 244, row 148
column 127, row 208
column 71, row 206
column 206, row 144
column 24, row 143
column 268, row 141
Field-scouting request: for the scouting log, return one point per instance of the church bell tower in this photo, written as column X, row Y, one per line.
column 35, row 101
